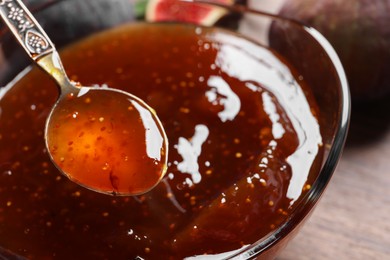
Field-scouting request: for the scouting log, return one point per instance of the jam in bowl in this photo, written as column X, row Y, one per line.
column 255, row 108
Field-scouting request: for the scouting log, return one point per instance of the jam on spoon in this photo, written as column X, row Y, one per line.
column 104, row 139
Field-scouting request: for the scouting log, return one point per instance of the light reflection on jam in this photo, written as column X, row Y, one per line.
column 239, row 126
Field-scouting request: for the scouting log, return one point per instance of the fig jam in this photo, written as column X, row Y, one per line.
column 108, row 141
column 245, row 146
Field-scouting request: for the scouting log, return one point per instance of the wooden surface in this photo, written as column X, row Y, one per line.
column 352, row 221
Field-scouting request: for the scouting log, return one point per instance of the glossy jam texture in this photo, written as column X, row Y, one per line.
column 245, row 146
column 107, row 141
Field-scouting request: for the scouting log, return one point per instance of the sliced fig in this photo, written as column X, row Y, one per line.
column 168, row 10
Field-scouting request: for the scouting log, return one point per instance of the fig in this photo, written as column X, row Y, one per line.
column 162, row 10
column 360, row 33
column 166, row 10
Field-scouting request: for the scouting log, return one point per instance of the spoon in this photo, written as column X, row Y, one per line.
column 101, row 138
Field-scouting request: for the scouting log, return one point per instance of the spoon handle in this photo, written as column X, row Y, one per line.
column 26, row 29
column 34, row 40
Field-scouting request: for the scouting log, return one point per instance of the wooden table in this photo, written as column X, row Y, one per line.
column 352, row 221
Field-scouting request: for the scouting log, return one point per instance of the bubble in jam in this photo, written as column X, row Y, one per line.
column 108, row 141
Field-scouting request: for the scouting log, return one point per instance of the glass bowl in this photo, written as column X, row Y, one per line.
column 69, row 20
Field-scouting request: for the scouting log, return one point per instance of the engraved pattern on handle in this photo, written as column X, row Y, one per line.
column 26, row 29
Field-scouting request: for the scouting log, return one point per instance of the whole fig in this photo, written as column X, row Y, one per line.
column 359, row 30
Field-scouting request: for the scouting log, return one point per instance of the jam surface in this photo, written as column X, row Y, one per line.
column 108, row 141
column 245, row 146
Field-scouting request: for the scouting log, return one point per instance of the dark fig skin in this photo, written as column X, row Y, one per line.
column 359, row 30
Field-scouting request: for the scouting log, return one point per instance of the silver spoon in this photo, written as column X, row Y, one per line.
column 104, row 139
